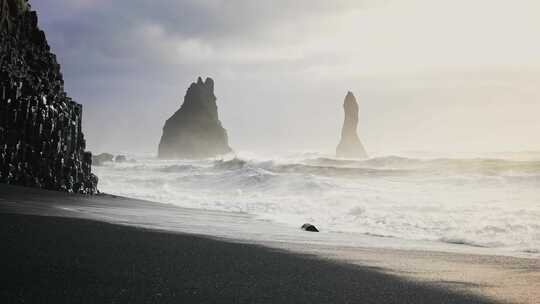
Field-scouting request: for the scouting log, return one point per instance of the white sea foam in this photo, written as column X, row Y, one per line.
column 478, row 202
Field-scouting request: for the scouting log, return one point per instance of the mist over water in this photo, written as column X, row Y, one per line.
column 487, row 202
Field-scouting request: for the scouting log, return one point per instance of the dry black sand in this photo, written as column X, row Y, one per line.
column 63, row 260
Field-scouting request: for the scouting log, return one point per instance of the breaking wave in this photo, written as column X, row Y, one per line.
column 481, row 202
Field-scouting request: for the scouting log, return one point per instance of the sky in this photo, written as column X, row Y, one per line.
column 429, row 75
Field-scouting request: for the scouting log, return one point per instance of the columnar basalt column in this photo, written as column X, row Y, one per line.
column 41, row 139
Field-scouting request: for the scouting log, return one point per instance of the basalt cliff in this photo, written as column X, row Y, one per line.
column 41, row 139
column 350, row 145
column 194, row 131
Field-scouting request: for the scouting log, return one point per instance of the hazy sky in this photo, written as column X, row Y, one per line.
column 460, row 75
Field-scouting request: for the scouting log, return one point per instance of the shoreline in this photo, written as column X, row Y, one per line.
column 248, row 228
column 501, row 278
column 50, row 262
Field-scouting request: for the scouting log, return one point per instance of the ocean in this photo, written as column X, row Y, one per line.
column 488, row 202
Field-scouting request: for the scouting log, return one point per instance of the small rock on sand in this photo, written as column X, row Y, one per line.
column 309, row 227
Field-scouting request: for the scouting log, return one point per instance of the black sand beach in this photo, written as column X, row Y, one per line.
column 62, row 248
column 63, row 260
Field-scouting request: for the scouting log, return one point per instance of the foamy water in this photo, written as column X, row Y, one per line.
column 491, row 203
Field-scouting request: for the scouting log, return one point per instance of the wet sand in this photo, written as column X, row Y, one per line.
column 58, row 255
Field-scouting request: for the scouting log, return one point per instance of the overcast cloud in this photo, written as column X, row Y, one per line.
column 435, row 75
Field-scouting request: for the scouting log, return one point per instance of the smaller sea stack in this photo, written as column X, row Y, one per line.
column 350, row 145
column 194, row 131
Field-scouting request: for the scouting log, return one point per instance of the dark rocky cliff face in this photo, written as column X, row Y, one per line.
column 350, row 145
column 195, row 131
column 41, row 140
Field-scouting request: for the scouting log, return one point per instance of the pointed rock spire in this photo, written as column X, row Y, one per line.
column 195, row 131
column 350, row 145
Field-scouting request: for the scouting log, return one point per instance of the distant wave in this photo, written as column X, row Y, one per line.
column 484, row 166
column 176, row 168
column 337, row 171
column 233, row 164
column 303, row 168
column 462, row 241
column 335, row 162
column 516, row 171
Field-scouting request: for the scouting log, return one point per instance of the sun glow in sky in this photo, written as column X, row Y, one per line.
column 429, row 75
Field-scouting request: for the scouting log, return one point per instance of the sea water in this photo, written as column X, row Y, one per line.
column 476, row 201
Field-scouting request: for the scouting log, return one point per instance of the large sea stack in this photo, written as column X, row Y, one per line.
column 194, row 131
column 350, row 145
column 41, row 141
